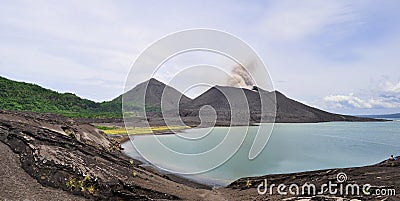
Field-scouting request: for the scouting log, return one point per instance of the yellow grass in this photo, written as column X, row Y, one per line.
column 140, row 130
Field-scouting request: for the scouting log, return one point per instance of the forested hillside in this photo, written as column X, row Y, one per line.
column 31, row 97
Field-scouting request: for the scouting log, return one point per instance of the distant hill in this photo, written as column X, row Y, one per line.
column 31, row 97
column 397, row 115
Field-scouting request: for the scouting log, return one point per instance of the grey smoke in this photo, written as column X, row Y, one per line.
column 240, row 77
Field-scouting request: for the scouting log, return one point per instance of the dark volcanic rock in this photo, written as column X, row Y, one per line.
column 232, row 105
column 73, row 158
column 16, row 184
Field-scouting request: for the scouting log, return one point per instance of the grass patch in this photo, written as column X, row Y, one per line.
column 104, row 128
column 137, row 130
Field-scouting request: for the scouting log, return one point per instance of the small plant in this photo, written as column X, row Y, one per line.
column 84, row 185
column 71, row 184
column 87, row 178
column 134, row 174
column 91, row 189
column 248, row 183
column 131, row 162
column 81, row 185
column 69, row 132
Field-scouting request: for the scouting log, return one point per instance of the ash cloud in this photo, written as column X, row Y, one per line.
column 240, row 77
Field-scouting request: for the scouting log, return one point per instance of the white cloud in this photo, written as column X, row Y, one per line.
column 342, row 101
column 348, row 99
column 392, row 87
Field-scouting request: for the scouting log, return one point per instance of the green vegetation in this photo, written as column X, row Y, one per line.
column 84, row 185
column 71, row 183
column 104, row 128
column 31, row 97
column 70, row 133
column 111, row 130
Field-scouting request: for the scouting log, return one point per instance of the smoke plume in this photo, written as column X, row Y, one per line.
column 240, row 77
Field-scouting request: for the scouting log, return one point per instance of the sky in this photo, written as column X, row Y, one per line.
column 340, row 56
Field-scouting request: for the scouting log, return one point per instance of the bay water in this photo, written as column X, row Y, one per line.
column 293, row 147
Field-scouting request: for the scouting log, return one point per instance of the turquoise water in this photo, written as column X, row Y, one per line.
column 291, row 148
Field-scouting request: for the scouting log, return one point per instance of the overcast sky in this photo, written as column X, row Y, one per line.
column 341, row 56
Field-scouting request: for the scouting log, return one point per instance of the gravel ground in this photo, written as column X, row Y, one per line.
column 16, row 184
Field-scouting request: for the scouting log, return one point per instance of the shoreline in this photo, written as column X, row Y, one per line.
column 124, row 138
column 154, row 169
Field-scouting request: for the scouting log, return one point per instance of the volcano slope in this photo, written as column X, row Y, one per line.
column 256, row 106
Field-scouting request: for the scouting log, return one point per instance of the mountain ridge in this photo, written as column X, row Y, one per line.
column 31, row 97
column 153, row 94
column 264, row 106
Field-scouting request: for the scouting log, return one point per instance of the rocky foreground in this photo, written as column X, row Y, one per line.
column 50, row 157
column 53, row 157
